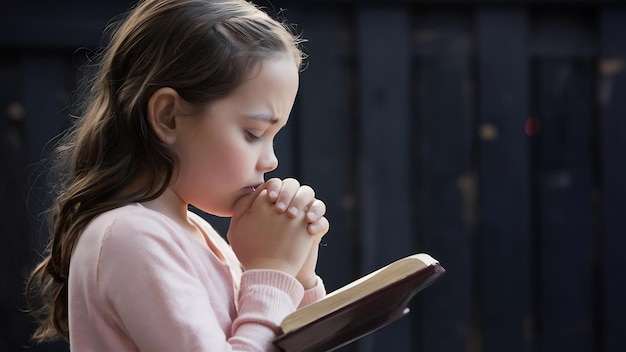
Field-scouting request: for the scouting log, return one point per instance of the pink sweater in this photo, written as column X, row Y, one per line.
column 139, row 282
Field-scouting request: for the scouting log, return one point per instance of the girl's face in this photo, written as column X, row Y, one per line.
column 226, row 149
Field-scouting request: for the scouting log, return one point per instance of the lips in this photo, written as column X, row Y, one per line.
column 252, row 188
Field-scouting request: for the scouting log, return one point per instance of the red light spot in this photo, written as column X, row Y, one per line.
column 531, row 126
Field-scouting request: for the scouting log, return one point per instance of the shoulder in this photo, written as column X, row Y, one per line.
column 131, row 228
column 133, row 216
column 131, row 220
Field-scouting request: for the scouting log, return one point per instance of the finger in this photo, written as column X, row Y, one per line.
column 300, row 202
column 288, row 190
column 319, row 228
column 273, row 187
column 244, row 203
column 316, row 210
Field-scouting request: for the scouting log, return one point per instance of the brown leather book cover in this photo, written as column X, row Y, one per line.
column 361, row 317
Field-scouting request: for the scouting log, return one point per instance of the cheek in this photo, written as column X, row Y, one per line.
column 218, row 164
column 215, row 161
column 233, row 163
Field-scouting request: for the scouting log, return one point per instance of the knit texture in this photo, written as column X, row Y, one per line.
column 139, row 282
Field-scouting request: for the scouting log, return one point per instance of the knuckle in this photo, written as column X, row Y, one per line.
column 308, row 189
column 291, row 181
column 321, row 206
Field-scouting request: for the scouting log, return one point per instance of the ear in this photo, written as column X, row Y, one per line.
column 161, row 114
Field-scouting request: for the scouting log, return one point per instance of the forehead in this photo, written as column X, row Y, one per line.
column 268, row 92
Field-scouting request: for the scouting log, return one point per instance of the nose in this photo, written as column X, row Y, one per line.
column 268, row 161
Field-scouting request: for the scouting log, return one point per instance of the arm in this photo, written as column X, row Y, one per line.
column 313, row 294
column 162, row 305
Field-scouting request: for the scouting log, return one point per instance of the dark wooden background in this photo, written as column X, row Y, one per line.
column 490, row 134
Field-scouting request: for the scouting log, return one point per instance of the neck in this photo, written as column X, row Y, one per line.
column 172, row 206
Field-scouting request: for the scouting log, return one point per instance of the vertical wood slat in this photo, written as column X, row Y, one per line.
column 504, row 244
column 385, row 146
column 62, row 24
column 565, row 212
column 325, row 137
column 15, row 252
column 564, row 188
column 44, row 89
column 44, row 93
column 442, row 45
column 612, row 67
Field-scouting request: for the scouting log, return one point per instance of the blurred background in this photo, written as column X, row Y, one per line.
column 489, row 134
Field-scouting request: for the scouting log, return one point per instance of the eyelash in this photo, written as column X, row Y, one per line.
column 251, row 136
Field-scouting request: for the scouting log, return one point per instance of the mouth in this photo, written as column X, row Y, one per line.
column 253, row 188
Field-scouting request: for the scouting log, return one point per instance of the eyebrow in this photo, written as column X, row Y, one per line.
column 263, row 117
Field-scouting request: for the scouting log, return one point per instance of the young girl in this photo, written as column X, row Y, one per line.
column 187, row 101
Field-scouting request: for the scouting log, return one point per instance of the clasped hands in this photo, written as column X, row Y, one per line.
column 279, row 227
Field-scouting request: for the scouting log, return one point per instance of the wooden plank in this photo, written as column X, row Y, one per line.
column 45, row 84
column 558, row 33
column 386, row 181
column 447, row 183
column 565, row 208
column 504, row 270
column 564, row 230
column 56, row 25
column 612, row 67
column 15, row 252
column 44, row 91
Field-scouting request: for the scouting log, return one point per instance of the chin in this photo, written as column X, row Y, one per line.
column 216, row 211
column 223, row 214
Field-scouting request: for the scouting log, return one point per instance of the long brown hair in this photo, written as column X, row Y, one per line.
column 203, row 49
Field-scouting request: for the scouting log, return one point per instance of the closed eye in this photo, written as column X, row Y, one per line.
column 251, row 137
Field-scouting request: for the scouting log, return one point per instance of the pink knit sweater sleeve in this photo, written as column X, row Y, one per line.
column 314, row 294
column 152, row 285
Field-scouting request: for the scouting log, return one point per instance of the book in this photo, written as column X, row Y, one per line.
column 359, row 308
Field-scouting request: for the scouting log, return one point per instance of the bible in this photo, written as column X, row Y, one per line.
column 359, row 308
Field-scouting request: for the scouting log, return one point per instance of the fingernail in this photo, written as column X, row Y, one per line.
column 310, row 215
column 293, row 211
column 314, row 228
column 273, row 194
column 281, row 206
